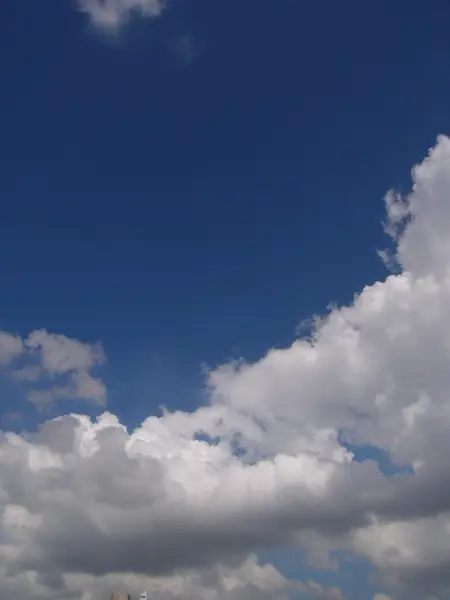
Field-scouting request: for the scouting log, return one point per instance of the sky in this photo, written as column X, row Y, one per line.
column 224, row 322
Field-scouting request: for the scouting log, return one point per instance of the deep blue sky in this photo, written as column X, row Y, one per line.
column 186, row 211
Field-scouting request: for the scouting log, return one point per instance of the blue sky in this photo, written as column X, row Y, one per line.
column 189, row 190
column 183, row 213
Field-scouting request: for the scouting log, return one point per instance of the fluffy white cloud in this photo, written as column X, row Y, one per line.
column 60, row 354
column 86, row 505
column 64, row 364
column 111, row 14
column 179, row 504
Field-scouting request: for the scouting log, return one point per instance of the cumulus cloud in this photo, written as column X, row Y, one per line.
column 245, row 581
column 180, row 505
column 58, row 366
column 110, row 14
column 60, row 354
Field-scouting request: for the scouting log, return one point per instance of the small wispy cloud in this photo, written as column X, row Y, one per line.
column 185, row 49
column 111, row 14
column 11, row 346
column 62, row 364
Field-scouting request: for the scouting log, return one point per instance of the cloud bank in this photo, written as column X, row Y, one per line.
column 111, row 14
column 181, row 505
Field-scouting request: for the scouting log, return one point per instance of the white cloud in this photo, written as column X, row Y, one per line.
column 66, row 364
column 110, row 14
column 86, row 504
column 319, row 592
column 245, row 581
column 60, row 354
column 11, row 347
column 89, row 505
